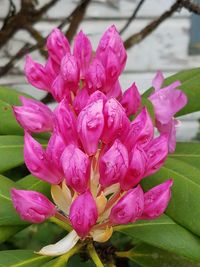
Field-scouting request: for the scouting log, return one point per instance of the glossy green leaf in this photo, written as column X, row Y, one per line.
column 184, row 206
column 190, row 81
column 8, row 123
column 149, row 256
column 164, row 233
column 11, row 96
column 31, row 182
column 188, row 152
column 21, row 258
column 11, row 151
column 8, row 231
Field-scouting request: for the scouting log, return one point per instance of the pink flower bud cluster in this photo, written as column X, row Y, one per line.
column 95, row 157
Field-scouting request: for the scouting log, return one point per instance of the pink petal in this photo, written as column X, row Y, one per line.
column 59, row 89
column 111, row 40
column 95, row 76
column 167, row 102
column 158, row 80
column 141, row 130
column 170, row 130
column 76, row 166
column 80, row 100
column 83, row 214
column 57, row 45
column 70, row 72
column 37, row 162
column 156, row 200
column 136, row 169
column 113, row 164
column 131, row 100
column 82, row 52
column 34, row 116
column 37, row 75
column 32, row 206
column 116, row 121
column 65, row 122
column 129, row 208
column 156, row 151
column 90, row 126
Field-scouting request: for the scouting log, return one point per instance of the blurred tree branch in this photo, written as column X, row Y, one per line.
column 190, row 6
column 133, row 16
column 28, row 15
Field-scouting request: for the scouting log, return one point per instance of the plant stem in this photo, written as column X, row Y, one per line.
column 64, row 258
column 123, row 254
column 60, row 223
column 94, row 256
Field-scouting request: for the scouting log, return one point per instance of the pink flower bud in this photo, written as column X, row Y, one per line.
column 111, row 40
column 170, row 130
column 82, row 52
column 167, row 102
column 156, row 151
column 158, row 80
column 80, row 100
column 37, row 162
column 116, row 121
column 156, row 200
column 32, row 206
column 95, row 76
column 83, row 214
column 141, row 130
column 65, row 122
column 113, row 164
column 34, row 116
column 115, row 91
column 59, row 89
column 129, row 208
column 90, row 126
column 57, row 45
column 37, row 75
column 131, row 100
column 76, row 166
column 136, row 168
column 52, row 68
column 54, row 150
column 70, row 72
column 97, row 95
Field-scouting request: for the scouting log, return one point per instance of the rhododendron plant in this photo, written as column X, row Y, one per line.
column 96, row 156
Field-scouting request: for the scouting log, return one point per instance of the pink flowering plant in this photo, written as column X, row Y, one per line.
column 103, row 157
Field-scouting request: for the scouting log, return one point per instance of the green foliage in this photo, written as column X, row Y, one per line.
column 164, row 233
column 149, row 256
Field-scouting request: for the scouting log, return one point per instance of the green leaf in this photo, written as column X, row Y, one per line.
column 11, row 96
column 149, row 256
column 164, row 233
column 184, row 206
column 190, row 81
column 8, row 231
column 21, row 258
column 188, row 152
column 31, row 182
column 8, row 123
column 11, row 151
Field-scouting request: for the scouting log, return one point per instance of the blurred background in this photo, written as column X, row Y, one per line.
column 159, row 35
